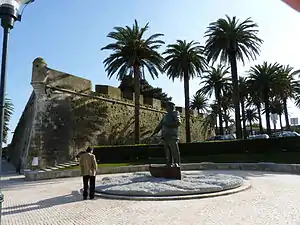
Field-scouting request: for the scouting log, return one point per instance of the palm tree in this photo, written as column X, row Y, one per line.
column 251, row 116
column 212, row 115
column 132, row 53
column 216, row 81
column 208, row 124
column 276, row 107
column 185, row 60
column 262, row 79
column 8, row 111
column 226, row 107
column 231, row 40
column 287, row 88
column 255, row 100
column 200, row 103
column 243, row 96
column 227, row 119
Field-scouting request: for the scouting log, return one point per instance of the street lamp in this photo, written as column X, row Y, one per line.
column 10, row 11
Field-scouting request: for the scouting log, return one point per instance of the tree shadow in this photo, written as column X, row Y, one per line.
column 46, row 203
column 123, row 134
column 72, row 123
column 14, row 182
column 89, row 116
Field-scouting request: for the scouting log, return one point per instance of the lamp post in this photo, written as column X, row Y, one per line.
column 10, row 11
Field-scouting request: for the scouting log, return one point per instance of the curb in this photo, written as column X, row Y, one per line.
column 262, row 166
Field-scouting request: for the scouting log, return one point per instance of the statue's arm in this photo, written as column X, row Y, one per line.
column 177, row 119
column 158, row 128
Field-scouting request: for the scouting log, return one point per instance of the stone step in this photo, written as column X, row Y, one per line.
column 68, row 163
column 60, row 167
column 52, row 168
column 65, row 165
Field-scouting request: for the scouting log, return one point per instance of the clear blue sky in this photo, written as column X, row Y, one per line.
column 70, row 33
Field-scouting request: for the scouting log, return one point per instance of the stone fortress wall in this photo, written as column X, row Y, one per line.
column 63, row 116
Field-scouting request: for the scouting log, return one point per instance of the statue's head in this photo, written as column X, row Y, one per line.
column 170, row 107
column 89, row 150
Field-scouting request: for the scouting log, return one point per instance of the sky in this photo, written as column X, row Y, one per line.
column 69, row 34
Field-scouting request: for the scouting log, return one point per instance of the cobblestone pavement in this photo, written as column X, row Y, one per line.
column 273, row 199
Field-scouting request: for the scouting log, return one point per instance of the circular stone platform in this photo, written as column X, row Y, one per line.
column 194, row 184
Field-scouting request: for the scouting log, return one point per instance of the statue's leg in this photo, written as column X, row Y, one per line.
column 175, row 151
column 167, row 153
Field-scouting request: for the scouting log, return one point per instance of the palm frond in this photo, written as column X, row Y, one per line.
column 228, row 36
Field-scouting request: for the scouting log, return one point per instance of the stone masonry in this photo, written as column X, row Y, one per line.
column 64, row 115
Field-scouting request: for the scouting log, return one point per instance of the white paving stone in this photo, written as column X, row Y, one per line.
column 273, row 199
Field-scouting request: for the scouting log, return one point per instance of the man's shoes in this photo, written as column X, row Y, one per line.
column 175, row 165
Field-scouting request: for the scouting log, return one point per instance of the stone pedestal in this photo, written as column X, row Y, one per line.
column 165, row 172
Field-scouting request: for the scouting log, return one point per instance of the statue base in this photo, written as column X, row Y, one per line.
column 165, row 172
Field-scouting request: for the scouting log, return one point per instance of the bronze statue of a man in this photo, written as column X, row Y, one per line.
column 169, row 126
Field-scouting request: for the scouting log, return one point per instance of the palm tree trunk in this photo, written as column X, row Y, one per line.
column 137, row 93
column 235, row 95
column 267, row 108
column 217, row 96
column 259, row 119
column 251, row 129
column 216, row 126
column 221, row 124
column 286, row 115
column 280, row 121
column 187, row 107
column 227, row 125
column 243, row 119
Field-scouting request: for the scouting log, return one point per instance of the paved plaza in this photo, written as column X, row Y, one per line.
column 273, row 199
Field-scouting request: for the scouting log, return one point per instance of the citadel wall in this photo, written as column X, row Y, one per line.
column 64, row 116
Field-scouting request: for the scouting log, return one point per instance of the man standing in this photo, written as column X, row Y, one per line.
column 169, row 126
column 19, row 166
column 88, row 166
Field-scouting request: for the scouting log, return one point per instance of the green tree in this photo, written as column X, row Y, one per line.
column 200, row 103
column 276, row 107
column 230, row 40
column 226, row 107
column 287, row 88
column 262, row 79
column 243, row 88
column 254, row 99
column 8, row 111
column 185, row 60
column 132, row 53
column 216, row 81
column 227, row 120
column 213, row 114
column 251, row 116
column 146, row 90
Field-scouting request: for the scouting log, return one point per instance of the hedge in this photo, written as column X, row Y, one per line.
column 263, row 149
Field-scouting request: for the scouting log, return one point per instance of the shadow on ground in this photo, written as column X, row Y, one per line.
column 17, row 181
column 46, row 203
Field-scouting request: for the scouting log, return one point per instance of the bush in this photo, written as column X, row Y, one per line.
column 253, row 149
